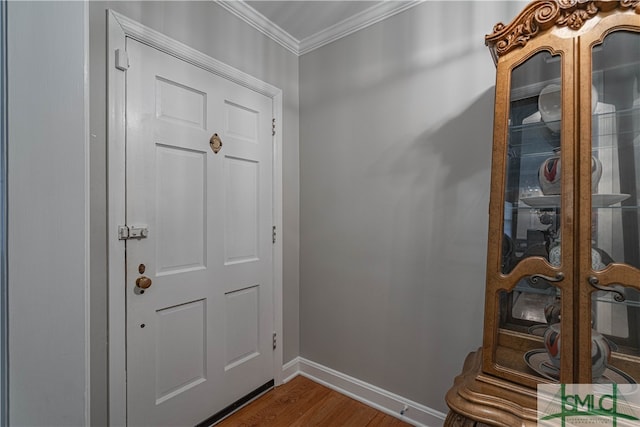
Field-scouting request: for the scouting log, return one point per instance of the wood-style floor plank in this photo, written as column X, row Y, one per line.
column 278, row 407
column 304, row 403
column 384, row 420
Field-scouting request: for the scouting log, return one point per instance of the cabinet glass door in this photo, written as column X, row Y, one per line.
column 530, row 313
column 615, row 217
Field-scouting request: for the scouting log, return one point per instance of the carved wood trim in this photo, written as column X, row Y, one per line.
column 456, row 420
column 541, row 15
column 479, row 398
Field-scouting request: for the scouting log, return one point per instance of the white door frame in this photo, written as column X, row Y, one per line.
column 119, row 28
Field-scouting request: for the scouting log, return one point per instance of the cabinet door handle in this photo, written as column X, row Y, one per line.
column 618, row 296
column 559, row 278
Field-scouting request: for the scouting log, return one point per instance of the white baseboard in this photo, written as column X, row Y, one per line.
column 397, row 406
column 290, row 370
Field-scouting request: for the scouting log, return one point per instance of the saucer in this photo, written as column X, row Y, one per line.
column 598, row 200
column 538, row 360
column 538, row 330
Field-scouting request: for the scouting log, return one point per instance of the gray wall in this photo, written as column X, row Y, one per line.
column 395, row 152
column 210, row 29
column 48, row 214
column 395, row 142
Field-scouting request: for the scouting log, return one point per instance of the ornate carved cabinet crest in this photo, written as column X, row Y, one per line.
column 544, row 14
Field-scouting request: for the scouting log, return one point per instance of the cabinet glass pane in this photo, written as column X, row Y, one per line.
column 531, row 218
column 532, row 192
column 530, row 322
column 615, row 181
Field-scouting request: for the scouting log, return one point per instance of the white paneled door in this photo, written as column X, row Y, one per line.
column 199, row 337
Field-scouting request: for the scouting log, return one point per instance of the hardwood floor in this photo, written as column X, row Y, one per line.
column 302, row 403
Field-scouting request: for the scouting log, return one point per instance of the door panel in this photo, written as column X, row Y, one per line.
column 180, row 349
column 242, row 323
column 180, row 104
column 199, row 337
column 241, row 122
column 179, row 247
column 241, row 210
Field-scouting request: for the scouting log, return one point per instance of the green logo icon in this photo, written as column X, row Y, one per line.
column 569, row 405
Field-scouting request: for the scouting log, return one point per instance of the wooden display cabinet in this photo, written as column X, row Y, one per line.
column 563, row 257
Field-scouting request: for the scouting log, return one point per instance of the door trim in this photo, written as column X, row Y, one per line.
column 119, row 28
column 4, row 282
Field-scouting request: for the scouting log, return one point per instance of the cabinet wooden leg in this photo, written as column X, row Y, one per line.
column 456, row 420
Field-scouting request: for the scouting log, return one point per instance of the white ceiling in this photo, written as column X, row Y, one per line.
column 304, row 25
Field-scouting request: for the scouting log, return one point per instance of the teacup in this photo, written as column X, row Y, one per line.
column 550, row 171
column 600, row 350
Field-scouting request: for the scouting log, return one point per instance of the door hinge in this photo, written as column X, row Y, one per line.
column 273, row 235
column 275, row 340
column 122, row 60
column 138, row 232
column 273, row 127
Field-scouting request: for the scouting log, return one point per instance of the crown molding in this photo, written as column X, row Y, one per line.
column 354, row 23
column 341, row 29
column 260, row 22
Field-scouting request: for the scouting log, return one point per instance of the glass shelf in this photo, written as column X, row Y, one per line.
column 635, row 304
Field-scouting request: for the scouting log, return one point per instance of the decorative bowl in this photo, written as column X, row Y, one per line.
column 550, row 105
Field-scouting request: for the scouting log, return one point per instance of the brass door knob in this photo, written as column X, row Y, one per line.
column 143, row 282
